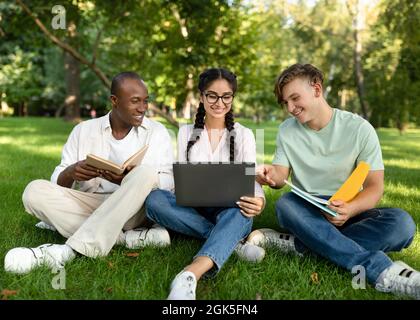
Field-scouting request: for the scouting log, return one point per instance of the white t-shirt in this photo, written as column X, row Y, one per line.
column 119, row 152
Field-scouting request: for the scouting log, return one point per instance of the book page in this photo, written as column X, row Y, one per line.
column 317, row 204
column 313, row 198
column 103, row 164
column 136, row 158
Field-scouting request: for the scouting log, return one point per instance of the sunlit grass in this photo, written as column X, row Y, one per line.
column 30, row 149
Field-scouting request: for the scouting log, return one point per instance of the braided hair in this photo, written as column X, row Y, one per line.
column 205, row 79
column 229, row 123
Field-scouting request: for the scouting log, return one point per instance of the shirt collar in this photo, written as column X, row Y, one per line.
column 105, row 123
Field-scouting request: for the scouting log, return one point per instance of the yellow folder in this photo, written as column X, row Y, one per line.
column 353, row 184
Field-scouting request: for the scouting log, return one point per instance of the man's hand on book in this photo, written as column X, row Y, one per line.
column 80, row 171
column 115, row 178
column 251, row 206
column 344, row 210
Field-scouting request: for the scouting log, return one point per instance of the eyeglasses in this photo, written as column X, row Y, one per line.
column 212, row 98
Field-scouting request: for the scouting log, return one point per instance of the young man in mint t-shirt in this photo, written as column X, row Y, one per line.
column 319, row 147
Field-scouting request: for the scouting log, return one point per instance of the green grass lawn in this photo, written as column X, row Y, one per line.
column 30, row 149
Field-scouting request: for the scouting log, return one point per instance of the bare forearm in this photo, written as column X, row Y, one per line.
column 366, row 199
column 78, row 171
column 279, row 176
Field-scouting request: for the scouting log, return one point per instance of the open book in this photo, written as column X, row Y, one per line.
column 103, row 164
column 348, row 190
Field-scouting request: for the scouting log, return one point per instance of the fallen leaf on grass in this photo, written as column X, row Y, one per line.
column 132, row 254
column 314, row 278
column 5, row 293
column 258, row 296
column 109, row 290
column 110, row 265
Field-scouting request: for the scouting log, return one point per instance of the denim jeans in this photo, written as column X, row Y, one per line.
column 362, row 240
column 222, row 228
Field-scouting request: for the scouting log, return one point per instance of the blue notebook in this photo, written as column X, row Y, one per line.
column 316, row 201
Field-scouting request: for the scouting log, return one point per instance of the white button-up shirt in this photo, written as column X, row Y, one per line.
column 93, row 136
column 201, row 151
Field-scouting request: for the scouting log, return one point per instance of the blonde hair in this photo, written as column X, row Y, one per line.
column 297, row 70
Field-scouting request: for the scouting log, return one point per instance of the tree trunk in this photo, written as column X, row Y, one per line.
column 357, row 23
column 72, row 75
column 402, row 120
column 186, row 110
column 59, row 111
column 343, row 98
column 190, row 100
column 20, row 109
column 330, row 79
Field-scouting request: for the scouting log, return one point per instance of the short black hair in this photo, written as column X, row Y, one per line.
column 119, row 79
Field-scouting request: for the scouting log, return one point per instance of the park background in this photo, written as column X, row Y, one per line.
column 56, row 62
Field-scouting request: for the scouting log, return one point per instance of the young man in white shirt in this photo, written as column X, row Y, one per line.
column 319, row 147
column 96, row 209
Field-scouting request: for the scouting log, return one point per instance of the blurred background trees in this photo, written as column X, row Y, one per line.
column 368, row 50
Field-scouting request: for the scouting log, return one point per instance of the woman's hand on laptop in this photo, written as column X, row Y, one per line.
column 251, row 206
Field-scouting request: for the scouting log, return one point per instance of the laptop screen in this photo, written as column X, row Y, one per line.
column 213, row 184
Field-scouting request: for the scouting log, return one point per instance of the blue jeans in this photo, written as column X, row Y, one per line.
column 222, row 228
column 362, row 240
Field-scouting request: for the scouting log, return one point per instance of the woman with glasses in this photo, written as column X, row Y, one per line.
column 214, row 137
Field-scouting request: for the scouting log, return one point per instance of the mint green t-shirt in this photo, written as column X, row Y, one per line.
column 321, row 161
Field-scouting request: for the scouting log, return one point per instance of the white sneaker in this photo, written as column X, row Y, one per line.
column 141, row 237
column 400, row 279
column 268, row 237
column 249, row 252
column 183, row 286
column 22, row 260
column 44, row 225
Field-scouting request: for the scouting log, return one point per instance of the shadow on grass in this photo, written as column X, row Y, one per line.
column 408, row 177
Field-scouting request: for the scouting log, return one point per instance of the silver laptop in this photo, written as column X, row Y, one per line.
column 213, row 184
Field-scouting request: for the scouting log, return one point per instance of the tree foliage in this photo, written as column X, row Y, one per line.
column 170, row 42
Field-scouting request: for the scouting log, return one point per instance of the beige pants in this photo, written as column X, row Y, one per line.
column 93, row 223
